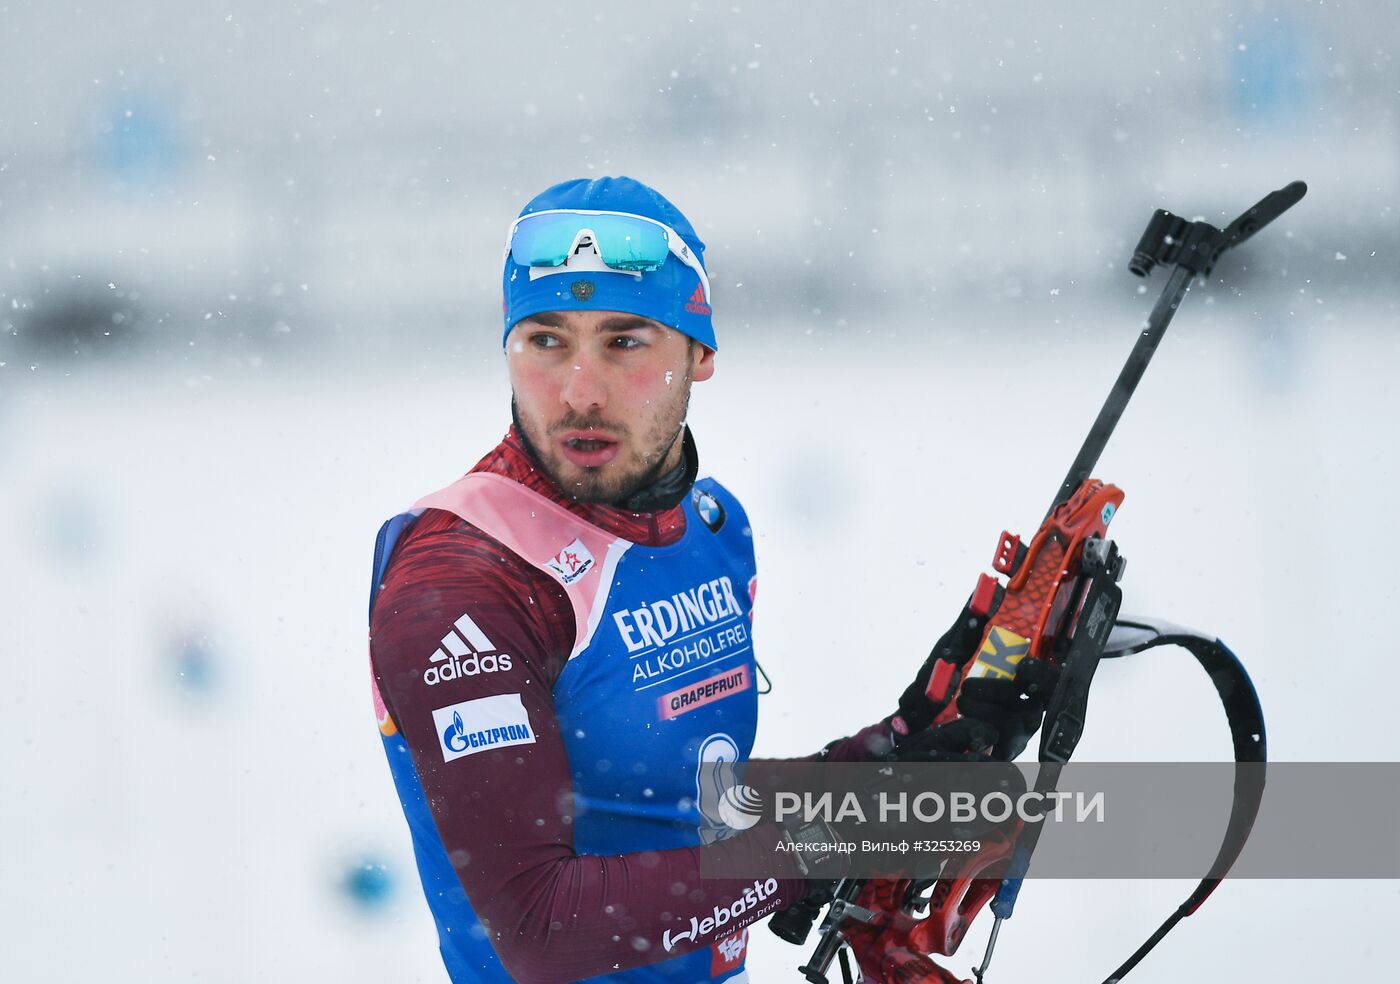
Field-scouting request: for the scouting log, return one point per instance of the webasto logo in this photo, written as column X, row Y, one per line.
column 752, row 899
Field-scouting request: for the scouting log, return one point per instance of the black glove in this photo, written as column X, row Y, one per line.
column 956, row 646
column 795, row 922
column 1013, row 707
column 963, row 740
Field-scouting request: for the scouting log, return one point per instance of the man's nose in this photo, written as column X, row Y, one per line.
column 584, row 387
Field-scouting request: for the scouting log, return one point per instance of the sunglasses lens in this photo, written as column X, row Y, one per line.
column 628, row 244
column 542, row 240
column 624, row 243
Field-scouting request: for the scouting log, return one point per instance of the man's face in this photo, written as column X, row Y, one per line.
column 601, row 397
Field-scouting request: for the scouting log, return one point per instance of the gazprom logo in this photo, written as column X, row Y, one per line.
column 458, row 739
column 455, row 737
column 481, row 725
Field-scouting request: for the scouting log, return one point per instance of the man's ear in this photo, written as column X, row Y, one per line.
column 702, row 365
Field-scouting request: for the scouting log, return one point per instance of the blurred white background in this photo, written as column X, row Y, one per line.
column 249, row 275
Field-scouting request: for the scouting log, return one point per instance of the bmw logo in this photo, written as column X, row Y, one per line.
column 709, row 509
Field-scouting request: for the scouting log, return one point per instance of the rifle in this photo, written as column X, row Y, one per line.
column 1060, row 604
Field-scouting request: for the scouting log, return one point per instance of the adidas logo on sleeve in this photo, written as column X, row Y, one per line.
column 465, row 651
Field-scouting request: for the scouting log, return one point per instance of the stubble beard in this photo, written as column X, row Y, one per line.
column 618, row 480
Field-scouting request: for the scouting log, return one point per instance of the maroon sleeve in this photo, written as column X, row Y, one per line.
column 870, row 742
column 873, row 741
column 505, row 815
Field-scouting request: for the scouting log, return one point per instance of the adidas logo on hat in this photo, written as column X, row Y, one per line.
column 696, row 304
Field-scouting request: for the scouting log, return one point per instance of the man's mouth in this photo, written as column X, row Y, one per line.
column 588, row 451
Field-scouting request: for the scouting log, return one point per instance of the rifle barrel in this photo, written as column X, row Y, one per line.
column 1124, row 386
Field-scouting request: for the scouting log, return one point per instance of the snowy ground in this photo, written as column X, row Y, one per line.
column 219, row 523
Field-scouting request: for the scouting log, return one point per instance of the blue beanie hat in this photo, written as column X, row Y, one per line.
column 667, row 295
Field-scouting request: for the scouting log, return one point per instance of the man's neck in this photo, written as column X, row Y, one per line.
column 671, row 486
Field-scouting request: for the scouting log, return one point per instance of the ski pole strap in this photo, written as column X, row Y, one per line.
column 1246, row 720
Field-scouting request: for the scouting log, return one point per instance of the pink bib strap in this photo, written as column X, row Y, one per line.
column 573, row 551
